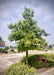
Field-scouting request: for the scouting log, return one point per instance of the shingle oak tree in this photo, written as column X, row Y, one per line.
column 26, row 32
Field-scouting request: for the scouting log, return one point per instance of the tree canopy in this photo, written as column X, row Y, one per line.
column 26, row 32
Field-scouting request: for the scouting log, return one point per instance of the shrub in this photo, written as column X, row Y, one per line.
column 49, row 57
column 11, row 51
column 33, row 62
column 20, row 69
column 3, row 51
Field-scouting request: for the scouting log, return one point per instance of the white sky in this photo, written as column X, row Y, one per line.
column 11, row 10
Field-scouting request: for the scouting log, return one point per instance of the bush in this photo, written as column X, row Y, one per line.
column 20, row 69
column 3, row 51
column 50, row 57
column 11, row 51
column 33, row 62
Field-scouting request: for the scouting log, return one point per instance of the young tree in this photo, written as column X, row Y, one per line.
column 26, row 32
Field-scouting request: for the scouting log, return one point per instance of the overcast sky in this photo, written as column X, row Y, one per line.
column 11, row 10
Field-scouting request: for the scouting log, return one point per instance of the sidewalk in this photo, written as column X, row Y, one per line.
column 49, row 72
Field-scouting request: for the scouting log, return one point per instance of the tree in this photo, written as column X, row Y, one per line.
column 26, row 32
column 1, row 40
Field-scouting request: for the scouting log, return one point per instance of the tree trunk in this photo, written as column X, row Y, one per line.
column 27, row 57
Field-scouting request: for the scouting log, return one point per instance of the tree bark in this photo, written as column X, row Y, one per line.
column 27, row 57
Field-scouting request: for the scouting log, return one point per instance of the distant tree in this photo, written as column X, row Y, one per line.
column 6, row 47
column 45, row 45
column 1, row 40
column 26, row 32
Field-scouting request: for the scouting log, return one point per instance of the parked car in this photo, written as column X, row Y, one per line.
column 45, row 50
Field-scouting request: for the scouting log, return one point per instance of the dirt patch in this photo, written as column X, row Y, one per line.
column 42, row 58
